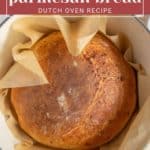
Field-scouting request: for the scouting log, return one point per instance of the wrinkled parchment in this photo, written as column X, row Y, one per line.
column 19, row 68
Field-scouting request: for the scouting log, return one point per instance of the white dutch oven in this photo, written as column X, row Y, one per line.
column 137, row 33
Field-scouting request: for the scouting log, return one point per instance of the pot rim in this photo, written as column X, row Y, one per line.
column 138, row 20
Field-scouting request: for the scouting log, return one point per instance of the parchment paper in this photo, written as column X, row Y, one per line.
column 19, row 68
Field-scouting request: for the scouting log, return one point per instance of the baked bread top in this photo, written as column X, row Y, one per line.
column 88, row 100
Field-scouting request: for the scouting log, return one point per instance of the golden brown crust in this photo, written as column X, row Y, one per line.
column 89, row 98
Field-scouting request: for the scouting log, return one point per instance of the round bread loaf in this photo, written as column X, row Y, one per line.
column 88, row 100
